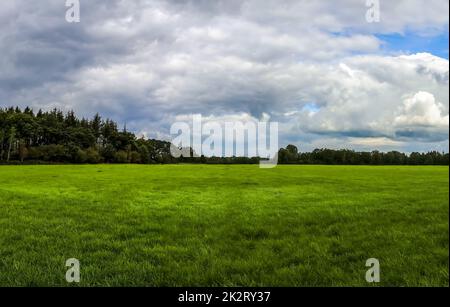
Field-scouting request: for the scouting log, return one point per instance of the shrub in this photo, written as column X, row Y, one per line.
column 135, row 157
column 93, row 156
column 121, row 157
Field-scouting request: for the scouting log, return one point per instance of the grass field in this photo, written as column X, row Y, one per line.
column 197, row 225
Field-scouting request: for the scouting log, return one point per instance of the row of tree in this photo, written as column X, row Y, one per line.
column 57, row 137
column 291, row 155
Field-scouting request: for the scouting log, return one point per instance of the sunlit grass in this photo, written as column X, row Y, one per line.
column 196, row 225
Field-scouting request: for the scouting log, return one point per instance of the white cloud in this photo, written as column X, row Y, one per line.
column 148, row 61
column 422, row 110
column 379, row 142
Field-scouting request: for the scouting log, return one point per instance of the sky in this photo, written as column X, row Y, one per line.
column 318, row 68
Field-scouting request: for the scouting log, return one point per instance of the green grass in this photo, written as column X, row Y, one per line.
column 196, row 225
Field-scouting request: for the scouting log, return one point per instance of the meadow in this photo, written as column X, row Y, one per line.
column 204, row 225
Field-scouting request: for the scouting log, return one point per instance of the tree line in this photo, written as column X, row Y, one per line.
column 58, row 137
column 291, row 155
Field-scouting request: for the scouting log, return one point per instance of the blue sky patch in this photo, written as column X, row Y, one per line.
column 412, row 43
column 311, row 107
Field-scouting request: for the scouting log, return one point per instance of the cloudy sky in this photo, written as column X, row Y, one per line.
column 330, row 78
